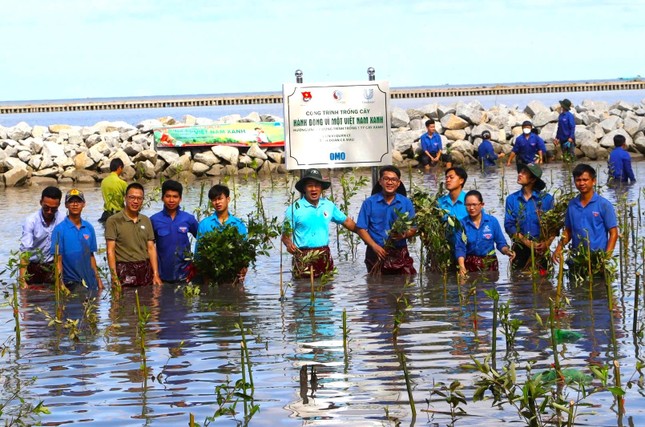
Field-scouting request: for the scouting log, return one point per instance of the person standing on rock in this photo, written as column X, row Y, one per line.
column 171, row 227
column 387, row 252
column 590, row 221
column 486, row 153
column 306, row 226
column 74, row 243
column 565, row 136
column 620, row 163
column 36, row 265
column 522, row 219
column 432, row 148
column 527, row 148
column 113, row 190
column 130, row 238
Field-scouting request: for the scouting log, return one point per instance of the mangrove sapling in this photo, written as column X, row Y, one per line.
column 143, row 316
column 408, row 381
column 509, row 328
column 350, row 187
column 494, row 295
column 453, row 395
column 16, row 313
column 345, row 332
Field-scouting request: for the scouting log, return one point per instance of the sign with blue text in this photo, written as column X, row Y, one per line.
column 334, row 125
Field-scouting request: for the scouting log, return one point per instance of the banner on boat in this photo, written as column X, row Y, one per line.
column 266, row 134
column 335, row 125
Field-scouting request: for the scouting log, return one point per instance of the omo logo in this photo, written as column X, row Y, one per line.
column 338, row 155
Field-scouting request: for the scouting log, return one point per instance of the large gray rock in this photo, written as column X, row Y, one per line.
column 611, row 123
column 431, row 111
column 98, row 151
column 20, row 131
column 256, row 152
column 127, row 162
column 622, row 106
column 24, row 156
column 276, row 156
column 414, row 114
column 231, row 118
column 589, row 117
column 49, row 171
column 544, row 117
column 584, row 135
column 403, row 139
column 251, row 118
column 472, row 112
column 244, row 160
column 455, row 135
column 14, row 163
column 206, row 157
column 462, row 146
column 589, row 148
column 180, row 165
column 445, row 110
column 145, row 169
column 149, row 155
column 142, row 139
column 417, row 124
column 168, row 155
column 535, row 107
column 3, row 155
column 399, row 118
column 3, row 133
column 200, row 169
column 639, row 143
column 632, row 124
column 477, row 130
column 452, row 122
column 215, row 170
column 42, row 181
column 16, row 177
column 38, row 131
column 595, row 105
column 203, row 121
column 226, row 153
column 149, row 125
column 126, row 134
column 35, row 161
column 132, row 148
column 607, row 141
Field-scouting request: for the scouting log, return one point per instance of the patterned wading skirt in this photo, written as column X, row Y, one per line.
column 321, row 263
column 481, row 263
column 136, row 273
column 397, row 261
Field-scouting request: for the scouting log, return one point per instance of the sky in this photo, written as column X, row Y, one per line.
column 68, row 49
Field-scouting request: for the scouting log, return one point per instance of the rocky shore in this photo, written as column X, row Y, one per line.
column 61, row 153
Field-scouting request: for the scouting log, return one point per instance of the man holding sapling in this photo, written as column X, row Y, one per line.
column 590, row 222
column 131, row 251
column 172, row 227
column 221, row 220
column 306, row 226
column 74, row 244
column 385, row 223
column 524, row 209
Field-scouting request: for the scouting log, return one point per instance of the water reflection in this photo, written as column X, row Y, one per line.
column 301, row 371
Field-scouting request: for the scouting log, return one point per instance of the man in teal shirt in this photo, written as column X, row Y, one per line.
column 306, row 226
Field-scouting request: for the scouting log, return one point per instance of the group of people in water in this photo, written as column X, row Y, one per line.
column 144, row 251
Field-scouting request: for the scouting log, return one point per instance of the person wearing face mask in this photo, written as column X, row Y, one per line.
column 527, row 148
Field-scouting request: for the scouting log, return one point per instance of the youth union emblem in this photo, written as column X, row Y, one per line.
column 338, row 95
column 306, row 96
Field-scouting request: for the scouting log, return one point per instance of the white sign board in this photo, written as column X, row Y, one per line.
column 336, row 125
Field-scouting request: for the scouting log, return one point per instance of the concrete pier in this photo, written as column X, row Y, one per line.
column 276, row 98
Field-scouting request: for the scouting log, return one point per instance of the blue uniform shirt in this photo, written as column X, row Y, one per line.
column 523, row 216
column 620, row 165
column 486, row 153
column 566, row 127
column 479, row 241
column 76, row 246
column 377, row 217
column 527, row 148
column 457, row 209
column 431, row 144
column 310, row 224
column 173, row 243
column 590, row 223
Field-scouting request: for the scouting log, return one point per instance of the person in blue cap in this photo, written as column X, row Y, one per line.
column 486, row 153
column 527, row 147
column 306, row 226
column 74, row 245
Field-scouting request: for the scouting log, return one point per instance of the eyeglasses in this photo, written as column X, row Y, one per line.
column 472, row 205
column 393, row 180
column 135, row 198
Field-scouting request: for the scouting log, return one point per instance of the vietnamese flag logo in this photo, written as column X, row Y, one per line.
column 306, row 96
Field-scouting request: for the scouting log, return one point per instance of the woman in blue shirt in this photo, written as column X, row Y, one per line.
column 475, row 246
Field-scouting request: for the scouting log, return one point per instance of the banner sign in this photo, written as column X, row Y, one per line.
column 266, row 134
column 336, row 125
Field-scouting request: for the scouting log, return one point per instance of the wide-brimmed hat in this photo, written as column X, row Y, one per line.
column 566, row 103
column 536, row 171
column 74, row 193
column 316, row 176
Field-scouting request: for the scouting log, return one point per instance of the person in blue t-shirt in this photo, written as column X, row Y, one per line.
column 454, row 202
column 74, row 243
column 220, row 197
column 475, row 244
column 172, row 227
column 590, row 221
column 432, row 148
column 527, row 147
column 620, row 162
column 565, row 136
column 386, row 253
column 306, row 226
column 486, row 153
column 522, row 219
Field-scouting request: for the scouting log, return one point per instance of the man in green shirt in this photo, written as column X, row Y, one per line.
column 113, row 189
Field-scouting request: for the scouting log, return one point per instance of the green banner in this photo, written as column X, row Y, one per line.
column 266, row 134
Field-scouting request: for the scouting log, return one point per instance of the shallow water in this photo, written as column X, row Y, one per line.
column 193, row 343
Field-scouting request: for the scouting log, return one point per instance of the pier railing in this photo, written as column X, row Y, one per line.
column 276, row 98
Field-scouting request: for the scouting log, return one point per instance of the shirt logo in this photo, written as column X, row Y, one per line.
column 143, row 227
column 86, row 236
column 183, row 229
column 325, row 214
column 488, row 236
column 596, row 214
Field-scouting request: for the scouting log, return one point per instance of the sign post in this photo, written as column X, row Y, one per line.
column 332, row 125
